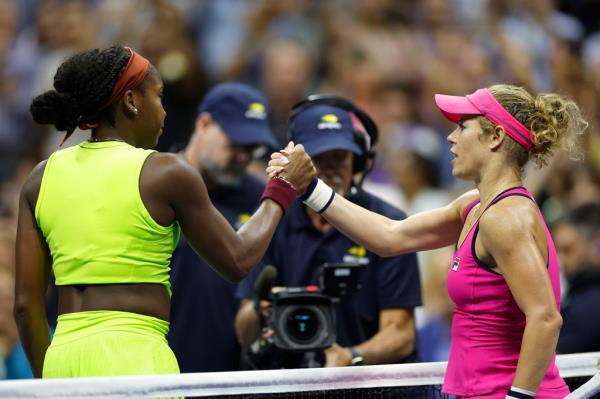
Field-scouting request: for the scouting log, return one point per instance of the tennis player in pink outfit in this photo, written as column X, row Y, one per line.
column 503, row 278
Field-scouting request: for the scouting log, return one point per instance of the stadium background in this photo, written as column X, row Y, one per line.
column 389, row 56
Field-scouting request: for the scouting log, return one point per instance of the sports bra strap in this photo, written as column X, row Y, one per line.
column 521, row 191
column 468, row 209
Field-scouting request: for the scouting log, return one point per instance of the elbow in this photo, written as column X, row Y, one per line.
column 235, row 276
column 549, row 320
column 385, row 249
column 239, row 271
column 407, row 347
column 553, row 321
column 233, row 269
column 387, row 244
column 22, row 309
column 380, row 246
column 403, row 342
column 557, row 322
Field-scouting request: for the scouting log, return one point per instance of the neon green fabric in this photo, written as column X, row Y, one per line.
column 109, row 343
column 97, row 228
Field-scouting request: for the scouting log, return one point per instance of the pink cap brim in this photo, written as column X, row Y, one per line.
column 454, row 107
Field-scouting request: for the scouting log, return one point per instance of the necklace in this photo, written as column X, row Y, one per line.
column 94, row 140
column 494, row 194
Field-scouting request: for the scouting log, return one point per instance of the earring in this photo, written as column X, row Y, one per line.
column 134, row 110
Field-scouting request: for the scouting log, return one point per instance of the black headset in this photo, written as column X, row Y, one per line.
column 365, row 139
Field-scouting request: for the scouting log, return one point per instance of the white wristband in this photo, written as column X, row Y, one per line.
column 519, row 393
column 321, row 197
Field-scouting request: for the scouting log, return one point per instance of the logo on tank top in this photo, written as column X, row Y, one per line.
column 455, row 264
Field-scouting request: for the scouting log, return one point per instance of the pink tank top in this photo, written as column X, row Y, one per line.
column 487, row 326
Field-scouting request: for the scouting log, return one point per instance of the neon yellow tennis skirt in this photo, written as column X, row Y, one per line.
column 109, row 343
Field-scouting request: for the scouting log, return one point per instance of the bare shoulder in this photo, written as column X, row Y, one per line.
column 167, row 162
column 468, row 197
column 37, row 172
column 512, row 219
column 31, row 187
column 168, row 168
column 171, row 178
column 459, row 204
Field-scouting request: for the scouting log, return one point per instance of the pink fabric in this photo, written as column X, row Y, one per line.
column 468, row 209
column 483, row 102
column 488, row 326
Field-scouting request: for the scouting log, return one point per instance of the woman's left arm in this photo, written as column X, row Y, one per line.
column 512, row 234
column 33, row 264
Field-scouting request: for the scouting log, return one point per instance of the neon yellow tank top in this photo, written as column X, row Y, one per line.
column 97, row 228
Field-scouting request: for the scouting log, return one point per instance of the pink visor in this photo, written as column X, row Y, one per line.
column 482, row 102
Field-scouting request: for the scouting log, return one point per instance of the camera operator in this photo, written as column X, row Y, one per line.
column 375, row 325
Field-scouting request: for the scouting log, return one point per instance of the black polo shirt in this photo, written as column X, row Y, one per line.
column 298, row 250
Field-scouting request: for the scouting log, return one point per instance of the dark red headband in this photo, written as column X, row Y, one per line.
column 134, row 73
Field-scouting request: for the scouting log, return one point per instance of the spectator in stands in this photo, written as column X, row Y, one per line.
column 577, row 237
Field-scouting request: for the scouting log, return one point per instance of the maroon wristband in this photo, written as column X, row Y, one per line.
column 281, row 192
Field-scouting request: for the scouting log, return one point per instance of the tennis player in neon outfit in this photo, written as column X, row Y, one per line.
column 105, row 216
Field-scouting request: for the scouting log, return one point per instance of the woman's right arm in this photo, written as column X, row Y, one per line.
column 387, row 237
column 33, row 265
column 232, row 254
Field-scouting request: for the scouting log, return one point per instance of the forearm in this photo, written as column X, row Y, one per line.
column 246, row 324
column 33, row 329
column 384, row 236
column 537, row 348
column 387, row 346
column 256, row 234
column 371, row 230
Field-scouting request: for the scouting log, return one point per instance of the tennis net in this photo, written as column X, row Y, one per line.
column 417, row 380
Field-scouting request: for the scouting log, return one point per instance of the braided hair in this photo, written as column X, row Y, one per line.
column 82, row 84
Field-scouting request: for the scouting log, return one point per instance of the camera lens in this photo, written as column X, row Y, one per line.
column 302, row 324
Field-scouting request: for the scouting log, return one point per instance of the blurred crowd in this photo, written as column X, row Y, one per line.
column 388, row 56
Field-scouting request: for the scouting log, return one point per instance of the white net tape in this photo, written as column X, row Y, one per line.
column 589, row 390
column 267, row 381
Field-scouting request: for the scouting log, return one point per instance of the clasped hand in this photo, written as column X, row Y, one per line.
column 293, row 165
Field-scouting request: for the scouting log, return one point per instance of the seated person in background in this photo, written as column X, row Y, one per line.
column 577, row 238
column 231, row 126
column 376, row 324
